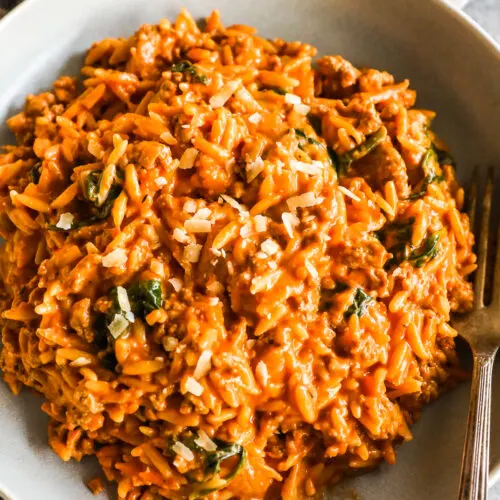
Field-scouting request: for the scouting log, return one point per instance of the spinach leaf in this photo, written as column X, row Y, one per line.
column 213, row 462
column 400, row 253
column 359, row 304
column 427, row 253
column 35, row 172
column 400, row 230
column 443, row 156
column 91, row 191
column 145, row 296
column 277, row 90
column 316, row 124
column 190, row 69
column 92, row 183
column 300, row 133
column 334, row 159
column 428, row 165
column 371, row 142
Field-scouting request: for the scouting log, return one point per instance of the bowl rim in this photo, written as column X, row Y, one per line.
column 469, row 24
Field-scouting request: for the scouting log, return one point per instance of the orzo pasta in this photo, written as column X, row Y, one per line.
column 229, row 270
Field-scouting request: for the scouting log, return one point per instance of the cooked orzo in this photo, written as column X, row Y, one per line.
column 229, row 270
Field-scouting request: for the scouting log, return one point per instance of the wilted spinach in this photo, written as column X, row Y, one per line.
column 145, row 296
column 190, row 69
column 310, row 140
column 212, row 462
column 359, row 304
column 443, row 156
column 277, row 90
column 35, row 172
column 90, row 193
column 372, row 141
column 429, row 250
column 428, row 165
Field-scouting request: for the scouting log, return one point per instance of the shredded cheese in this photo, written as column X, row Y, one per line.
column 65, row 221
column 204, row 363
column 115, row 258
column 118, row 325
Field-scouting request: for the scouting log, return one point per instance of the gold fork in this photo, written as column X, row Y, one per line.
column 481, row 329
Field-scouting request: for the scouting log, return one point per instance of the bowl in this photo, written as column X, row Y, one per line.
column 451, row 62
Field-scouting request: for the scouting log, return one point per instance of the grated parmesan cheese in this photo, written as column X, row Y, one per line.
column 203, row 441
column 314, row 168
column 130, row 317
column 204, row 364
column 194, row 387
column 118, row 325
column 122, row 297
column 180, row 235
column 311, row 269
column 223, row 95
column 292, row 99
column 161, row 181
column 115, row 258
column 262, row 373
column 254, row 169
column 260, row 223
column 261, row 283
column 176, row 284
column 304, row 200
column 198, row 226
column 65, row 221
column 183, row 451
column 289, row 221
column 189, row 206
column 246, row 230
column 192, row 252
column 202, row 213
column 188, row 158
column 302, row 109
column 233, row 203
column 81, row 361
column 169, row 343
column 255, row 118
column 270, row 247
column 348, row 193
column 215, row 287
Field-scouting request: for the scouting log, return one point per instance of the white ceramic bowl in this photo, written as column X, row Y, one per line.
column 453, row 65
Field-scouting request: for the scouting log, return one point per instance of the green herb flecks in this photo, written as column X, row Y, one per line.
column 400, row 231
column 429, row 251
column 360, row 151
column 190, row 69
column 310, row 140
column 316, row 124
column 99, row 212
column 213, row 462
column 35, row 172
column 145, row 296
column 334, row 159
column 359, row 304
column 429, row 165
column 276, row 90
column 443, row 156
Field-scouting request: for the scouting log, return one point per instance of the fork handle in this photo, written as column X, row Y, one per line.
column 476, row 454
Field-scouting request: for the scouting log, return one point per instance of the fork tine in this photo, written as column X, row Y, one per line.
column 483, row 235
column 472, row 199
